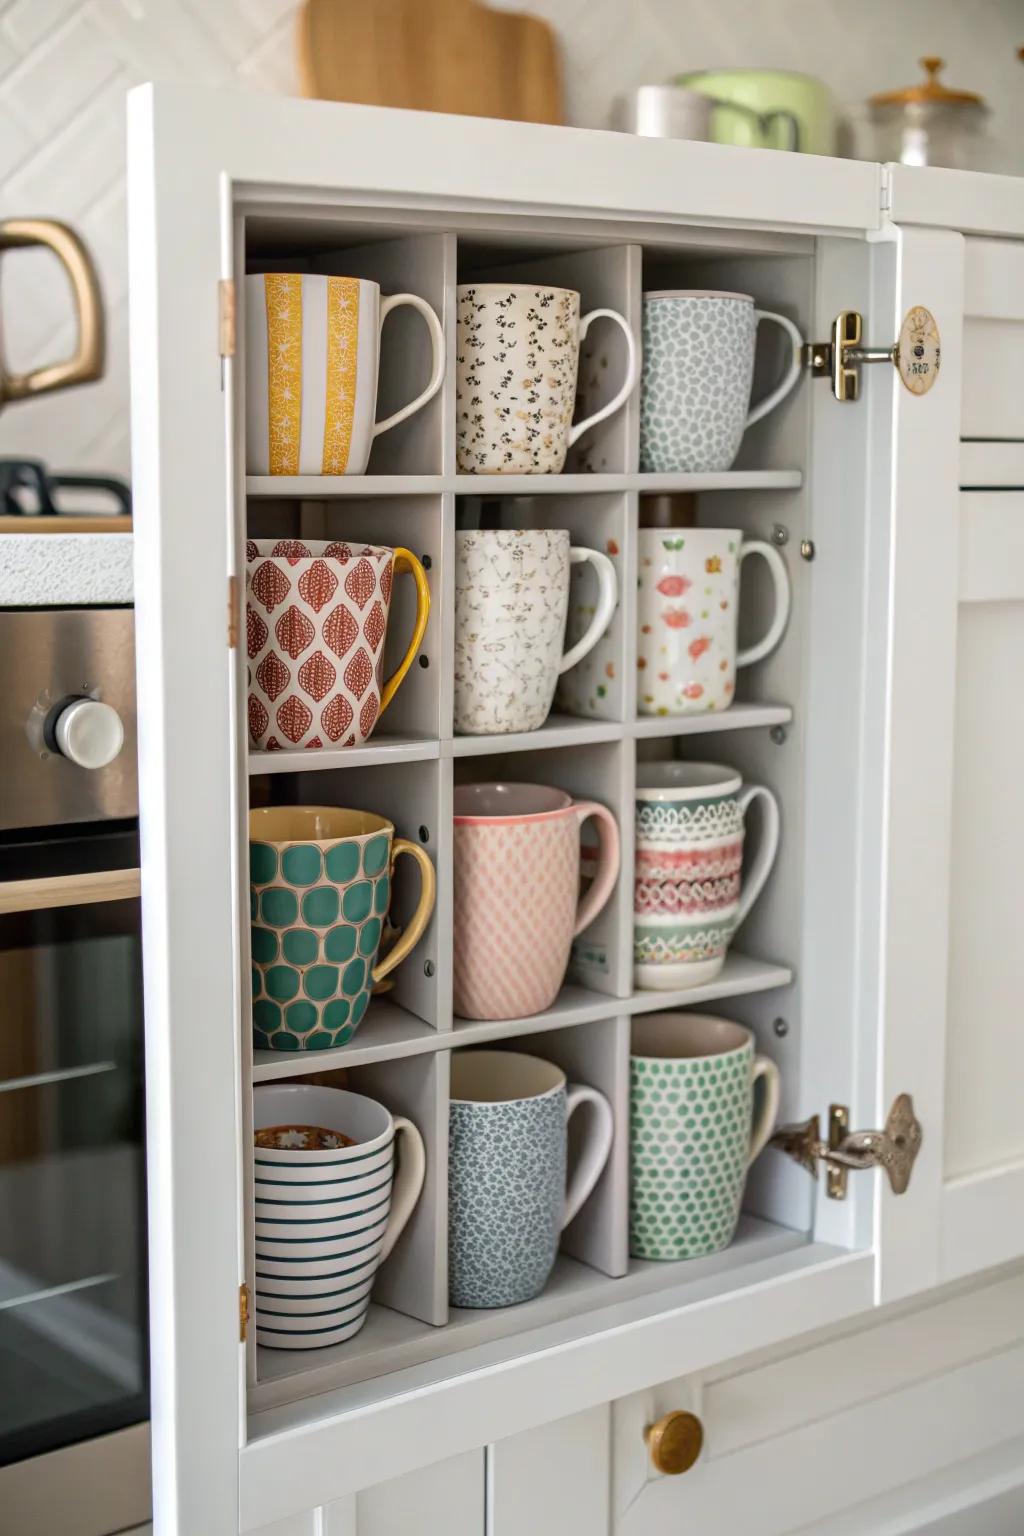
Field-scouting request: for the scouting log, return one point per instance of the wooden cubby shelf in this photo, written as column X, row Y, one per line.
column 414, row 496
column 323, row 487
column 575, row 1298
column 389, row 1031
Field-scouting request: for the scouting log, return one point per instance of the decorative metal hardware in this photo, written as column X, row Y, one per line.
column 807, row 549
column 893, row 1149
column 226, row 316
column 674, row 1442
column 916, row 354
column 243, row 1313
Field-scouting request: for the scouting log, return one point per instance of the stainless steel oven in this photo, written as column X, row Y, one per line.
column 73, row 1348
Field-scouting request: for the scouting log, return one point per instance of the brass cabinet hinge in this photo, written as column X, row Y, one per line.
column 226, row 313
column 916, row 354
column 893, row 1149
column 243, row 1313
column 234, row 602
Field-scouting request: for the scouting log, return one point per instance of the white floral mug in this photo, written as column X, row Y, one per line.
column 687, row 611
column 511, row 600
column 517, row 357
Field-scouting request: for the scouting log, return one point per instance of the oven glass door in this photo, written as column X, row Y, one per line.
column 73, row 1356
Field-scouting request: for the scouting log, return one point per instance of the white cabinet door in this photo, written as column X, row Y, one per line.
column 448, row 1497
column 552, row 1479
column 982, row 1216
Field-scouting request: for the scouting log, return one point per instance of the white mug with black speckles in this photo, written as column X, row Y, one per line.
column 698, row 368
column 517, row 357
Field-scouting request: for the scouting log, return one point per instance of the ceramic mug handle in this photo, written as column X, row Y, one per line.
column 764, row 1124
column 632, row 369
column 607, row 862
column 595, row 1151
column 606, row 599
column 414, row 301
column 780, row 587
column 753, row 883
column 793, row 372
column 408, row 1183
column 424, row 907
column 404, row 561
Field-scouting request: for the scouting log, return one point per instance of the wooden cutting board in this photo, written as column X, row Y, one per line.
column 434, row 55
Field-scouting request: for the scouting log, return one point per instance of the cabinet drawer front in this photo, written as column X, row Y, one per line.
column 993, row 403
column 795, row 1441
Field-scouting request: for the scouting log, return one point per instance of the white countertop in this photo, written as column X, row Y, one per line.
column 65, row 569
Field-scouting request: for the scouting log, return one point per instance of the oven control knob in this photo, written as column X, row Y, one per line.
column 89, row 733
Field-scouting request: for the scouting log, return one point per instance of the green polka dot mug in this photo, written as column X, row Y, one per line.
column 320, row 886
column 692, row 1131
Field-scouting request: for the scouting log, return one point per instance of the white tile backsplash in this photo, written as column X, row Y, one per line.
column 65, row 65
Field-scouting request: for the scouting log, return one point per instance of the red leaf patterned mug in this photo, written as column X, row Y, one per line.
column 316, row 617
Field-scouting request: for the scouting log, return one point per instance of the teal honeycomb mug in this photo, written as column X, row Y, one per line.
column 320, row 888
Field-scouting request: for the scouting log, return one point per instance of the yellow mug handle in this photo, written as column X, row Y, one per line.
column 405, row 560
column 421, row 917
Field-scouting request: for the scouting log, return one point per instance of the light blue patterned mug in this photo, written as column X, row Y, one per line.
column 698, row 366
column 507, row 1157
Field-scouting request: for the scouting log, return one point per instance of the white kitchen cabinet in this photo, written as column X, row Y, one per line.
column 844, row 966
column 890, row 1427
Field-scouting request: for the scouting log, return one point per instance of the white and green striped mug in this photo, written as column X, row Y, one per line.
column 692, row 1131
column 329, row 1208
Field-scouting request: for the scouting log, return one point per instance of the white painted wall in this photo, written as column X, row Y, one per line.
column 65, row 65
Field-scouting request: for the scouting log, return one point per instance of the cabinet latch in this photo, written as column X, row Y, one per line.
column 916, row 354
column 243, row 1313
column 893, row 1149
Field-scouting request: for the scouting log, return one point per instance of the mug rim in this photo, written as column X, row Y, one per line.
column 687, row 533
column 504, row 533
column 255, row 277
column 504, row 1057
column 461, row 288
column 259, row 814
column 302, row 1155
column 697, row 293
column 642, row 1022
column 718, row 779
column 492, row 819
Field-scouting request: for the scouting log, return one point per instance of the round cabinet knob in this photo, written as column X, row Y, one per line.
column 89, row 733
column 674, row 1442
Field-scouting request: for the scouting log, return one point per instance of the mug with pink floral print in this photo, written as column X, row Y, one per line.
column 687, row 613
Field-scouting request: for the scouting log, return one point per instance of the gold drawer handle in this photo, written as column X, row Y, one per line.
column 674, row 1442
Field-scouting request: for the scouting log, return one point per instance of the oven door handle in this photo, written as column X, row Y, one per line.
column 70, row 890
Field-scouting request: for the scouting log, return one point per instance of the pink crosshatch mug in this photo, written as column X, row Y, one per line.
column 517, row 900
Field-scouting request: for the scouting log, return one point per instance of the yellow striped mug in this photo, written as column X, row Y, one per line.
column 312, row 346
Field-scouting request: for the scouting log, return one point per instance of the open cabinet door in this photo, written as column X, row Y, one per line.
column 179, row 245
column 910, row 675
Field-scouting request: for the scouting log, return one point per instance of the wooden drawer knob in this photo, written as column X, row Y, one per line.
column 674, row 1442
